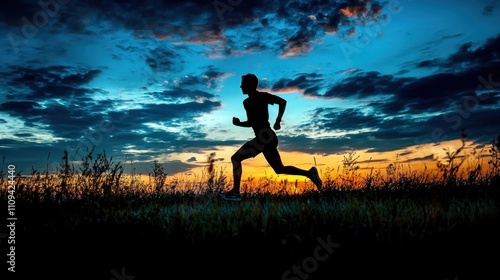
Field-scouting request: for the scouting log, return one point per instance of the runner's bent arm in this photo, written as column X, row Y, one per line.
column 281, row 110
column 237, row 122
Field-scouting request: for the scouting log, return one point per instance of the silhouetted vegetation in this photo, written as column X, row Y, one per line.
column 448, row 215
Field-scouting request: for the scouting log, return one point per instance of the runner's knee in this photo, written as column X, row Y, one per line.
column 236, row 158
column 278, row 169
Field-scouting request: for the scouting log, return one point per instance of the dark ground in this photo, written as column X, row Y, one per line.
column 49, row 245
column 141, row 253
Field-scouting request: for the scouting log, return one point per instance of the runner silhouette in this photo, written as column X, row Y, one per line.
column 265, row 140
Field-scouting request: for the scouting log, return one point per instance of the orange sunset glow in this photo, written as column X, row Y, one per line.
column 417, row 159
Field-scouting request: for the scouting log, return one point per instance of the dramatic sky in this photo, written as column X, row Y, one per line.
column 159, row 80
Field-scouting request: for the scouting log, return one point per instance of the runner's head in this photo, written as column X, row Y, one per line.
column 249, row 83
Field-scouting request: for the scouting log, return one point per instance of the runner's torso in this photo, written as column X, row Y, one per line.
column 257, row 110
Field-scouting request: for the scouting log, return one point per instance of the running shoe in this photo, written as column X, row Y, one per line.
column 315, row 178
column 230, row 195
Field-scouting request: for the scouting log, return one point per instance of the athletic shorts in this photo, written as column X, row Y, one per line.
column 265, row 142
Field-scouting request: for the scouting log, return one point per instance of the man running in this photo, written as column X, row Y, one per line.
column 265, row 141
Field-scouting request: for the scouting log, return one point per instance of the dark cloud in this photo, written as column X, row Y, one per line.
column 63, row 121
column 12, row 12
column 178, row 93
column 339, row 145
column 56, row 98
column 164, row 112
column 209, row 79
column 411, row 111
column 300, row 43
column 424, row 158
column 366, row 84
column 327, row 119
column 205, row 21
column 313, row 19
column 307, row 83
column 20, row 106
column 48, row 82
column 387, row 133
column 439, row 92
column 163, row 60
column 480, row 57
column 488, row 10
column 212, row 76
column 430, row 93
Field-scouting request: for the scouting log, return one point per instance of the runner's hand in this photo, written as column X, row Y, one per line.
column 277, row 125
column 236, row 121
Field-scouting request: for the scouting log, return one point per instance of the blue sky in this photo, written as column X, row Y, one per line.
column 159, row 80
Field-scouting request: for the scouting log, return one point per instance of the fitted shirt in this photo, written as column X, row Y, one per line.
column 257, row 111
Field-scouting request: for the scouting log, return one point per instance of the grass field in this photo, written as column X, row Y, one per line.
column 97, row 223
